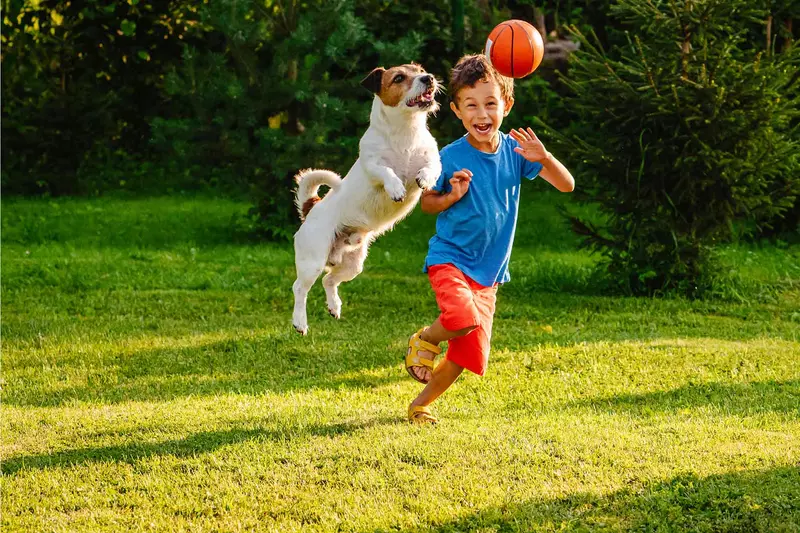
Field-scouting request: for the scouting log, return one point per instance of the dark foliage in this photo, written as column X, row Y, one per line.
column 81, row 80
column 685, row 136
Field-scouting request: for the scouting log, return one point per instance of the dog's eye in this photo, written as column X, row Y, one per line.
column 398, row 78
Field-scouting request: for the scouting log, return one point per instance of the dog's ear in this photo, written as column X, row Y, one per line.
column 373, row 81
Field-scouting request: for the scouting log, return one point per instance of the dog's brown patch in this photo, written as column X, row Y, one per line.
column 396, row 82
column 308, row 204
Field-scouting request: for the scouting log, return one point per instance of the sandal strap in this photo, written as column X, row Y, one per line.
column 413, row 359
column 417, row 341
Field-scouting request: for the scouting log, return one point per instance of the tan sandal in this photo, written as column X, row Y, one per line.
column 413, row 358
column 419, row 414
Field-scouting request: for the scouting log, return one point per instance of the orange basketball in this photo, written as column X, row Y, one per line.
column 514, row 48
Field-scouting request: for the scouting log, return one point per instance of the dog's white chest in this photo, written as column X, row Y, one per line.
column 406, row 164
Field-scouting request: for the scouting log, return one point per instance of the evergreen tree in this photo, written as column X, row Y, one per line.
column 685, row 133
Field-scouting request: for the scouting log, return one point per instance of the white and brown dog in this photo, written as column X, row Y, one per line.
column 398, row 157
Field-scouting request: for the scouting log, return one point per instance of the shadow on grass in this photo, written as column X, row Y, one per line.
column 735, row 398
column 196, row 444
column 276, row 363
column 345, row 356
column 750, row 501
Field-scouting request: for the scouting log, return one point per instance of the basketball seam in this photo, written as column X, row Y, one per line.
column 512, row 49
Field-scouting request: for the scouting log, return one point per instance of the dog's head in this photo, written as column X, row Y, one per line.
column 406, row 87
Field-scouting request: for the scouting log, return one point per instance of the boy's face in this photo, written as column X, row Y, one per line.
column 481, row 109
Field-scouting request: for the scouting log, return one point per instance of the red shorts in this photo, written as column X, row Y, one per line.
column 464, row 303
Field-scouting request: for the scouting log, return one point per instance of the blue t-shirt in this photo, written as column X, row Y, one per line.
column 476, row 233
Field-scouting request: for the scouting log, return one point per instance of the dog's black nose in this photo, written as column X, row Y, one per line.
column 427, row 79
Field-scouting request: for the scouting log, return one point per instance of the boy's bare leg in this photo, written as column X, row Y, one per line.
column 435, row 334
column 445, row 375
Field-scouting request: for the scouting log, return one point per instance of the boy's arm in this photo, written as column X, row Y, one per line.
column 434, row 202
column 532, row 149
column 557, row 174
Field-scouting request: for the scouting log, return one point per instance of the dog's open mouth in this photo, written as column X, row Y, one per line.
column 423, row 100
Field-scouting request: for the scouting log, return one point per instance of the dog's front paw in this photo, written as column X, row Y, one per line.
column 395, row 189
column 426, row 178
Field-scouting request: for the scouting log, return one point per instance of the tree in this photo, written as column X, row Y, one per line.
column 80, row 80
column 683, row 134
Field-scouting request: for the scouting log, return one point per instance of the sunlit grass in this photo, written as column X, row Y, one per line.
column 152, row 382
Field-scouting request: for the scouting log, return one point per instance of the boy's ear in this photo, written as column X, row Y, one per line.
column 508, row 106
column 373, row 80
column 455, row 110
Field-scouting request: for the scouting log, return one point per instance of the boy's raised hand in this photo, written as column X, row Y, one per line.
column 530, row 147
column 459, row 183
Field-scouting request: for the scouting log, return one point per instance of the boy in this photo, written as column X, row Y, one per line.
column 477, row 199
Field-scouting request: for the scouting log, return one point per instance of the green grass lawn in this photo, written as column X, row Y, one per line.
column 152, row 381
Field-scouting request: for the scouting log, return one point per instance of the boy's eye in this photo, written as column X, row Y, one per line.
column 398, row 78
column 491, row 103
column 470, row 105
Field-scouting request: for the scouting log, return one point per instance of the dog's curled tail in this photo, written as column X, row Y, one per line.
column 308, row 184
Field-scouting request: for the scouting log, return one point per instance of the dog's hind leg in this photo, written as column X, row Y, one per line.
column 310, row 262
column 306, row 276
column 351, row 266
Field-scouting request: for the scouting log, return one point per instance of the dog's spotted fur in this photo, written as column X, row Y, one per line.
column 307, row 205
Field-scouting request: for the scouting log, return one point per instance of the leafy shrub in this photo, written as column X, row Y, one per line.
column 682, row 133
column 81, row 80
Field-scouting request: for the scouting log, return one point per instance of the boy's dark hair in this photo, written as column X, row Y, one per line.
column 474, row 68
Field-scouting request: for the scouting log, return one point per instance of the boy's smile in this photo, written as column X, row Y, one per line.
column 481, row 109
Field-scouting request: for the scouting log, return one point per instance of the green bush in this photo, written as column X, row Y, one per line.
column 682, row 134
column 80, row 82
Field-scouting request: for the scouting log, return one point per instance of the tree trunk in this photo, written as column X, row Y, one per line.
column 293, row 125
column 769, row 34
column 538, row 14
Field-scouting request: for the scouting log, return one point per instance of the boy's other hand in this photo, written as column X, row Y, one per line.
column 530, row 147
column 459, row 183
